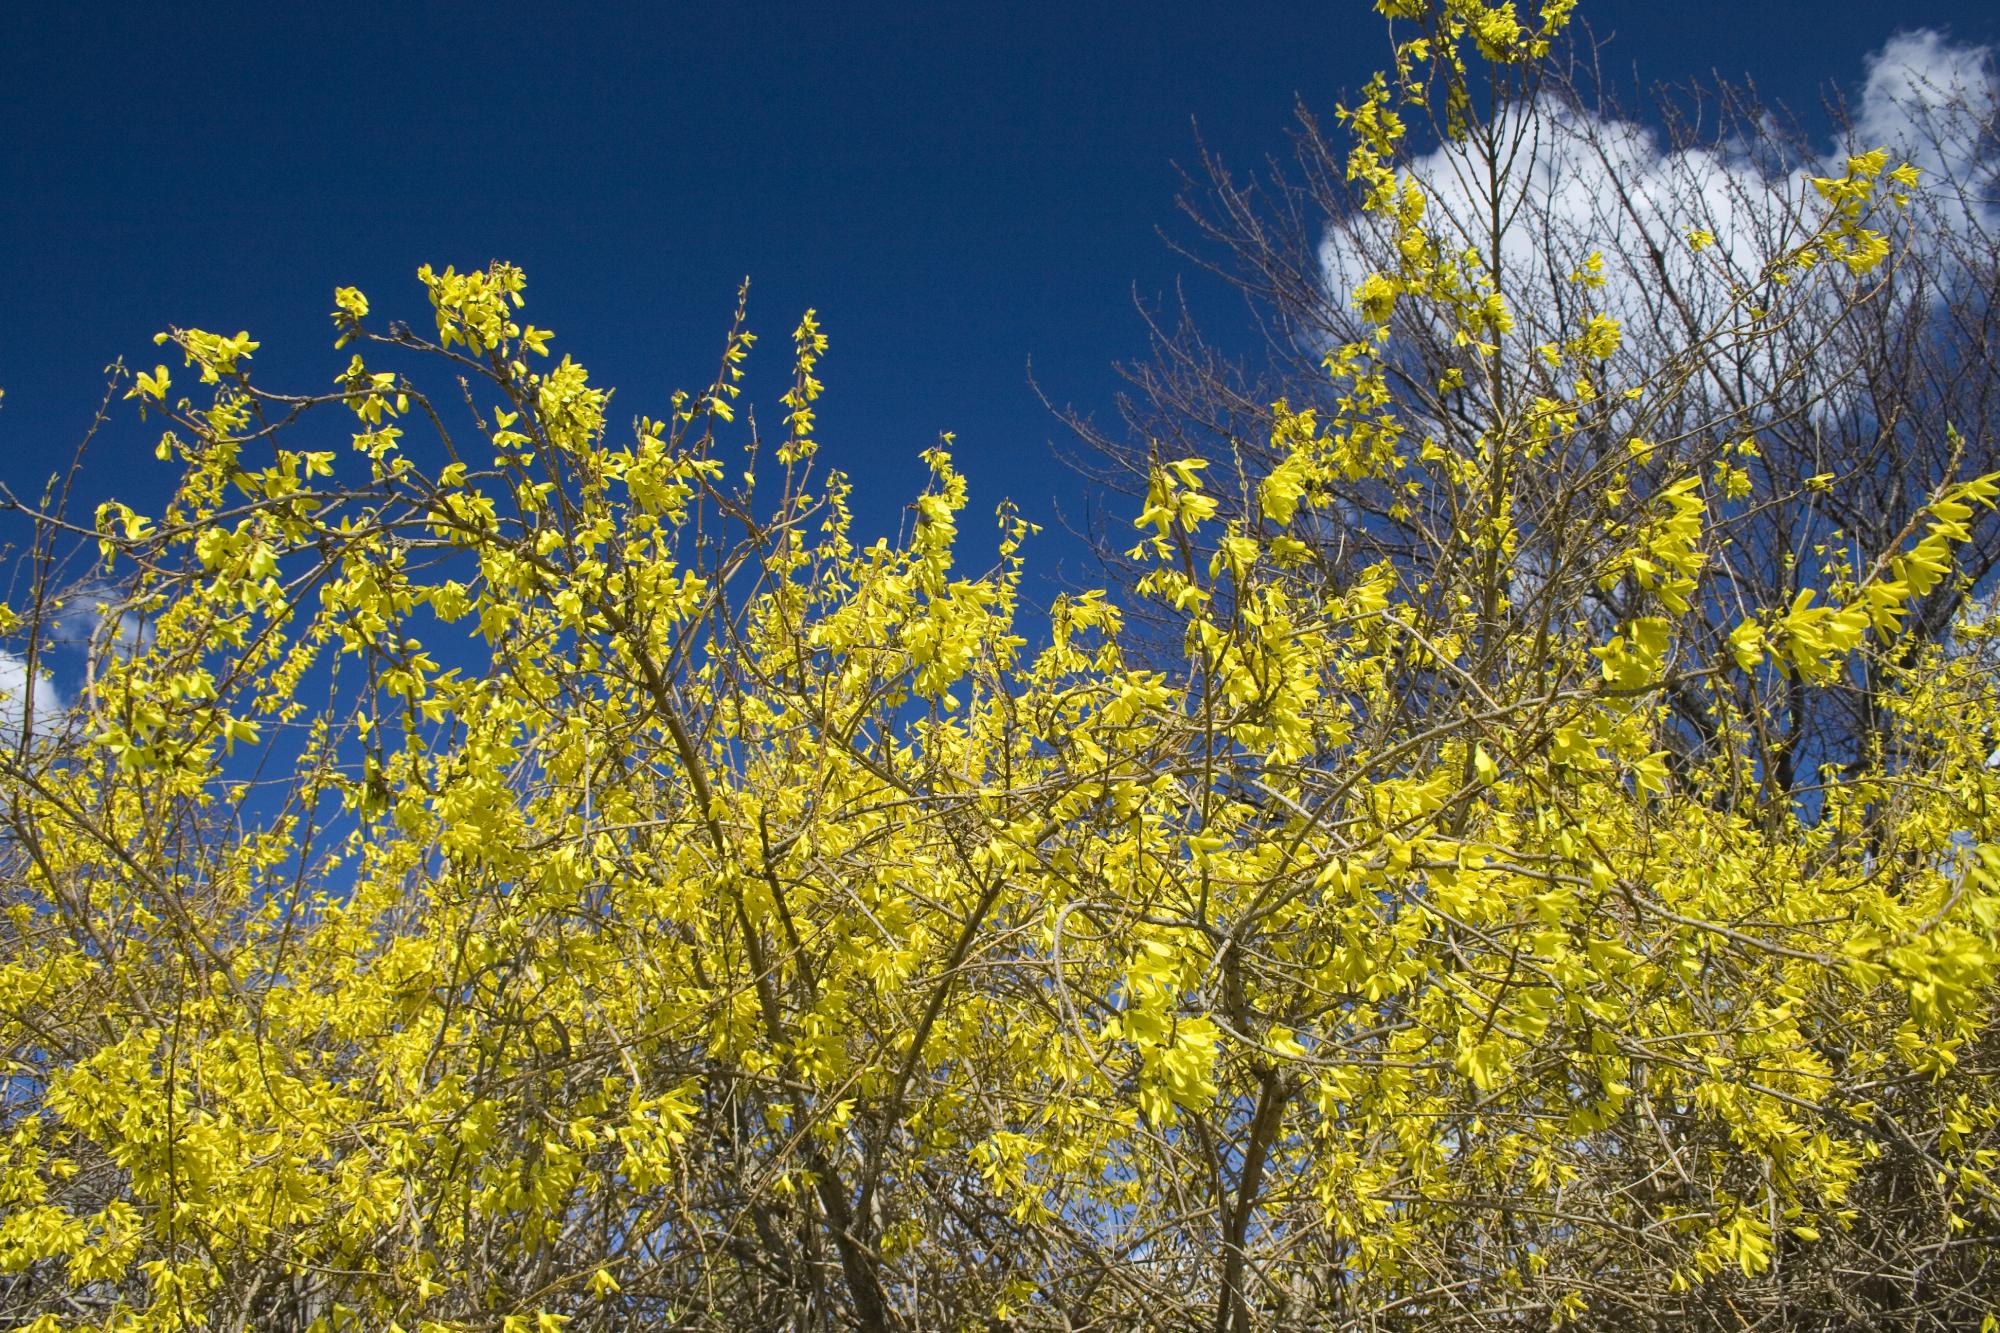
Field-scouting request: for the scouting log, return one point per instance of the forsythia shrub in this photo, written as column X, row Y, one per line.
column 522, row 873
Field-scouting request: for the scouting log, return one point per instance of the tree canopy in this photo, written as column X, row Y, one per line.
column 511, row 871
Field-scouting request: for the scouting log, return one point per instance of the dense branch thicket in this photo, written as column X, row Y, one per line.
column 505, row 872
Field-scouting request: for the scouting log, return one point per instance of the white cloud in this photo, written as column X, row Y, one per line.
column 1579, row 183
column 19, row 700
column 1923, row 97
column 92, row 623
column 95, row 619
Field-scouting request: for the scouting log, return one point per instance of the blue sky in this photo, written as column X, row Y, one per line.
column 958, row 189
